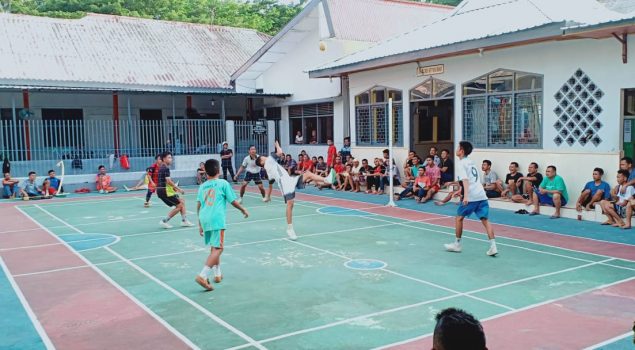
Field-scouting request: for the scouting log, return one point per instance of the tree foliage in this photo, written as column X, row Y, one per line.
column 266, row 16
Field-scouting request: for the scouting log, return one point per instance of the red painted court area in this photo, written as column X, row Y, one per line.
column 80, row 307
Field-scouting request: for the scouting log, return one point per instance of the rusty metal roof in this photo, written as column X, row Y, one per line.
column 121, row 52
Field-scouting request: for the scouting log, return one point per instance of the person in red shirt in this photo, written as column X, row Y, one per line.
column 103, row 181
column 152, row 178
column 340, row 170
column 331, row 154
column 307, row 164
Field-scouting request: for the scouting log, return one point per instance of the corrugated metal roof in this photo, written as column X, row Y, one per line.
column 376, row 20
column 622, row 6
column 122, row 51
column 479, row 19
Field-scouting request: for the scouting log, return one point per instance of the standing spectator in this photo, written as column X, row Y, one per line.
column 9, row 186
column 489, row 180
column 435, row 157
column 298, row 138
column 458, row 330
column 54, row 182
column 30, row 188
column 201, row 175
column 252, row 173
column 552, row 191
column 345, row 151
column 103, row 180
column 331, row 153
column 594, row 191
column 433, row 172
column 226, row 155
column 616, row 209
column 447, row 167
column 511, row 179
column 528, row 184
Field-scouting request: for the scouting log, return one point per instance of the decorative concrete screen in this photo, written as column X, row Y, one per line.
column 578, row 111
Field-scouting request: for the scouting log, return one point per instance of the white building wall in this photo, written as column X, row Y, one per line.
column 600, row 59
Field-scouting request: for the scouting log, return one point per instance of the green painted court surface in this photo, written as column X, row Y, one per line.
column 289, row 295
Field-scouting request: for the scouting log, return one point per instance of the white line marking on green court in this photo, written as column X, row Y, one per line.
column 163, row 322
column 172, row 290
column 609, row 341
column 25, row 304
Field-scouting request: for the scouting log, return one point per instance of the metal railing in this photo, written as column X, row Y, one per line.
column 38, row 144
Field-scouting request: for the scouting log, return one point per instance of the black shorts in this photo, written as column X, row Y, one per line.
column 170, row 201
column 251, row 176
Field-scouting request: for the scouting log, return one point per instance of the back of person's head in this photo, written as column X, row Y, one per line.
column 466, row 147
column 599, row 170
column 212, row 167
column 458, row 330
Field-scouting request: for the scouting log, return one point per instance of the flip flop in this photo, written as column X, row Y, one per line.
column 606, row 223
column 554, row 217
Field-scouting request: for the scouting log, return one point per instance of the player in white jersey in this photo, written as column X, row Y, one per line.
column 474, row 199
column 252, row 173
column 288, row 184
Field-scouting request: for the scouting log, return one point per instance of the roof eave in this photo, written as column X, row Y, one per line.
column 577, row 29
column 253, row 59
column 537, row 34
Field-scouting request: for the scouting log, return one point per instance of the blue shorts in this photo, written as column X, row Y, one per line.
column 479, row 208
column 547, row 199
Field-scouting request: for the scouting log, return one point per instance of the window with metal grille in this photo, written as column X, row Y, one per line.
column 503, row 109
column 311, row 123
column 371, row 117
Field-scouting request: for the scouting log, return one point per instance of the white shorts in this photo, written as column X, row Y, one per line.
column 288, row 184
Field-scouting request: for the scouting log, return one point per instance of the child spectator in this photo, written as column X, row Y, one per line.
column 9, row 186
column 330, row 154
column 616, row 208
column 552, row 191
column 510, row 181
column 340, row 169
column 447, row 167
column 374, row 178
column 320, row 167
column 528, row 184
column 345, row 151
column 54, row 183
column 458, row 330
column 298, row 138
column 594, row 192
column 103, row 181
column 298, row 170
column 291, row 165
column 489, row 180
column 433, row 172
column 354, row 172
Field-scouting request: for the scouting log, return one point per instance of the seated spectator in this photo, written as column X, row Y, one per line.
column 314, row 160
column 347, row 181
column 386, row 158
column 435, row 157
column 626, row 163
column 10, row 186
column 455, row 191
column 552, row 192
column 104, row 184
column 291, row 165
column 374, row 178
column 594, row 192
column 489, row 180
column 345, row 151
column 340, row 169
column 354, row 172
column 417, row 188
column 54, row 182
column 458, row 330
column 320, row 166
column 630, row 208
column 143, row 182
column 313, row 139
column 615, row 209
column 411, row 171
column 364, row 171
column 528, row 184
column 306, row 165
column 30, row 188
column 447, row 168
column 385, row 180
column 433, row 172
column 201, row 175
column 47, row 191
column 298, row 138
column 298, row 169
column 511, row 179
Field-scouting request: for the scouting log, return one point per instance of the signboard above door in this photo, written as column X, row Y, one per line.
column 430, row 70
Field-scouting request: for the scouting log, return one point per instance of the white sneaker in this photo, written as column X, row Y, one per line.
column 186, row 223
column 240, row 200
column 126, row 188
column 164, row 224
column 453, row 247
column 291, row 234
column 330, row 179
column 266, row 199
column 101, row 191
column 492, row 251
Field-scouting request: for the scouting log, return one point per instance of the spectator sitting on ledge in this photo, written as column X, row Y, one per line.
column 594, row 192
column 552, row 191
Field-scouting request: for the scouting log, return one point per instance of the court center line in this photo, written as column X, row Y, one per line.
column 27, row 308
column 163, row 322
column 172, row 290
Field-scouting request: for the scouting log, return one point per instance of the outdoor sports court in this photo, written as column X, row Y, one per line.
column 98, row 272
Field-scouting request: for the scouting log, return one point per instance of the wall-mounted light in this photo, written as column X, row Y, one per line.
column 212, row 102
column 480, row 52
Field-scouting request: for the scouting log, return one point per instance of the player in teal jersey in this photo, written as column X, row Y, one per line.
column 213, row 196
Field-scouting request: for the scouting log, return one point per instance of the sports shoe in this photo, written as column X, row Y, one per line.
column 126, row 188
column 204, row 283
column 218, row 279
column 266, row 199
column 186, row 223
column 330, row 179
column 164, row 224
column 240, row 200
column 291, row 234
column 453, row 247
column 102, row 191
column 147, row 205
column 492, row 251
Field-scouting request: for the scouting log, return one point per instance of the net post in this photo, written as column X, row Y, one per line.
column 391, row 201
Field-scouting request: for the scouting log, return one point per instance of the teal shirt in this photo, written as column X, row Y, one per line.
column 214, row 196
column 556, row 184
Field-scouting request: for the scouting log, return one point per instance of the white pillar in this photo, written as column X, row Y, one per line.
column 271, row 135
column 230, row 138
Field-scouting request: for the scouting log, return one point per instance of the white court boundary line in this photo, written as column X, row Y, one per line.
column 25, row 304
column 609, row 341
column 115, row 284
column 178, row 294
